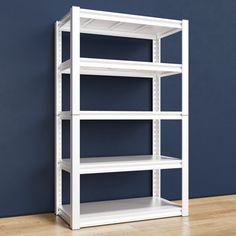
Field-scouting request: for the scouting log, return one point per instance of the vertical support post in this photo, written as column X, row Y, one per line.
column 58, row 122
column 156, row 124
column 75, row 118
column 75, row 172
column 75, row 60
column 185, row 120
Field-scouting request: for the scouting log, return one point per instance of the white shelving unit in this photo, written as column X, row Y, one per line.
column 79, row 21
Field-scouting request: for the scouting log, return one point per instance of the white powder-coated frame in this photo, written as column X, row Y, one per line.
column 79, row 21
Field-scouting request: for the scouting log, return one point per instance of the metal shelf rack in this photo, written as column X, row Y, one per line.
column 79, row 21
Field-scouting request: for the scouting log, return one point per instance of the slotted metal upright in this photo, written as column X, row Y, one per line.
column 79, row 21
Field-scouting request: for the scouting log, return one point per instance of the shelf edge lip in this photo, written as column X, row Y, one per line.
column 122, row 115
column 99, row 115
column 128, row 62
column 104, row 61
column 64, row 214
column 123, row 34
column 84, row 171
column 65, row 115
column 64, row 20
column 97, row 66
column 126, row 165
column 65, row 165
column 157, row 215
column 99, row 170
column 115, row 33
column 169, row 33
column 64, row 66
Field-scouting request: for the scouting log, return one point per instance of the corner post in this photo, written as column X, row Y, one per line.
column 156, row 124
column 58, row 122
column 75, row 118
column 185, row 120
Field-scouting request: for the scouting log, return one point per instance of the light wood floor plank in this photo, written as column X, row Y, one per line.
column 213, row 216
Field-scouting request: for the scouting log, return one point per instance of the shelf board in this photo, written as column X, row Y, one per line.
column 123, row 25
column 105, row 67
column 123, row 115
column 92, row 165
column 117, row 211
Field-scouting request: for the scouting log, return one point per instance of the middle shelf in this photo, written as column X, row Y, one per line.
column 124, row 115
column 92, row 165
column 94, row 66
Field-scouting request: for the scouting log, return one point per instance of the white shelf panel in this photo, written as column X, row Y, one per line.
column 123, row 115
column 91, row 66
column 124, row 25
column 110, row 164
column 117, row 211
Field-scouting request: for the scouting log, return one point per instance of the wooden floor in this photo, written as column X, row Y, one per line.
column 208, row 216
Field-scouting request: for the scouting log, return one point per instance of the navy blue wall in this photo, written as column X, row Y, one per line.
column 27, row 102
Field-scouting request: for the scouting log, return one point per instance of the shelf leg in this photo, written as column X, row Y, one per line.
column 185, row 120
column 156, row 124
column 58, row 171
column 58, row 122
column 75, row 173
column 75, row 118
column 185, row 171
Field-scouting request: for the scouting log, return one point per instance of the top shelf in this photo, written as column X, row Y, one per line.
column 122, row 25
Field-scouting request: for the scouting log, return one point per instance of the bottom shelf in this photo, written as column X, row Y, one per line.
column 117, row 211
